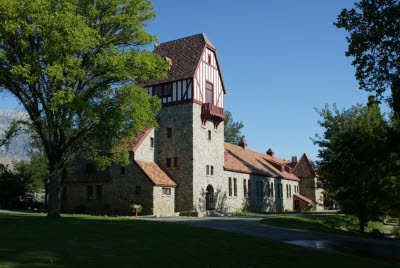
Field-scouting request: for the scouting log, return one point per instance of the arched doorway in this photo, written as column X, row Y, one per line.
column 210, row 200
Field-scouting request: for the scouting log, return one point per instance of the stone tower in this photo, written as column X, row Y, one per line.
column 190, row 138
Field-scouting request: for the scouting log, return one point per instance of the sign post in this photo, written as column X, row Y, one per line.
column 136, row 207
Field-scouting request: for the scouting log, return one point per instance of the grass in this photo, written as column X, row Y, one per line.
column 331, row 223
column 87, row 241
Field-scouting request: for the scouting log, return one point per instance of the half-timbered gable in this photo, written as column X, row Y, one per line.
column 194, row 76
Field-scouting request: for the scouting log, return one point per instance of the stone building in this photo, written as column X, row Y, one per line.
column 184, row 166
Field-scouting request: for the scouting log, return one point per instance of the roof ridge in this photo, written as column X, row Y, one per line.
column 181, row 38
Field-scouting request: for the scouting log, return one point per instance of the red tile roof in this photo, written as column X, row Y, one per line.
column 305, row 199
column 252, row 162
column 185, row 54
column 156, row 174
column 305, row 168
column 133, row 144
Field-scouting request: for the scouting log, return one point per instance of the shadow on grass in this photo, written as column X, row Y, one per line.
column 87, row 241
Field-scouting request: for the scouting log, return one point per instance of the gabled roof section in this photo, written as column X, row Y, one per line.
column 252, row 162
column 303, row 198
column 185, row 55
column 305, row 168
column 131, row 145
column 157, row 176
column 82, row 172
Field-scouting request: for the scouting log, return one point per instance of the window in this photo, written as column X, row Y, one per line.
column 169, row 133
column 209, row 58
column 212, row 170
column 151, row 142
column 290, row 191
column 272, row 189
column 122, row 171
column 268, row 190
column 209, row 135
column 99, row 190
column 176, row 162
column 234, row 187
column 244, row 188
column 209, row 92
column 89, row 192
column 162, row 91
column 207, row 170
column 230, row 186
column 168, row 162
column 287, row 190
column 166, row 191
column 138, row 189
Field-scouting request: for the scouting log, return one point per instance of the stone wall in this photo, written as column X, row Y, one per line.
column 180, row 119
column 163, row 204
column 116, row 194
column 207, row 152
column 144, row 152
column 309, row 189
column 264, row 203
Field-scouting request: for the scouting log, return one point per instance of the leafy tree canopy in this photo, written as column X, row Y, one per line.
column 74, row 66
column 374, row 42
column 232, row 129
column 355, row 165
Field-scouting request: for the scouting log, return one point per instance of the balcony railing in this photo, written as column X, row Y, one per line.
column 209, row 110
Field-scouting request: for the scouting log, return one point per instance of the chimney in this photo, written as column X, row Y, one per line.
column 270, row 152
column 294, row 159
column 243, row 144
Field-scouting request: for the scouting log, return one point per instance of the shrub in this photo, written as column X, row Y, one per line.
column 80, row 209
column 312, row 207
column 396, row 232
column 132, row 208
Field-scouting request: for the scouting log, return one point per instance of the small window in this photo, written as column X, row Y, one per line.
column 209, row 135
column 168, row 162
column 122, row 171
column 272, row 189
column 99, row 191
column 244, row 188
column 207, row 170
column 209, row 58
column 230, row 186
column 212, row 170
column 166, row 191
column 89, row 192
column 234, row 187
column 138, row 189
column 169, row 133
column 176, row 162
column 151, row 142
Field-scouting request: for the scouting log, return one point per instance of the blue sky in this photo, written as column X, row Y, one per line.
column 279, row 59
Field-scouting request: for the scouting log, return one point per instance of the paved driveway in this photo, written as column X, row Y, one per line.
column 380, row 249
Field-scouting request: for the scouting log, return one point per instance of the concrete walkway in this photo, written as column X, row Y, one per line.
column 385, row 249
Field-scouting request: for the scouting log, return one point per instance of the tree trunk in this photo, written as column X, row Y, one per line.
column 362, row 225
column 56, row 185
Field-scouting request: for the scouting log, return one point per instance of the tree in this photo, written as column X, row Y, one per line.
column 374, row 42
column 11, row 186
column 35, row 172
column 355, row 167
column 232, row 129
column 74, row 65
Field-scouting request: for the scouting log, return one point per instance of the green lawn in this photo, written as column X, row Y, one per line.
column 33, row 240
column 331, row 223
